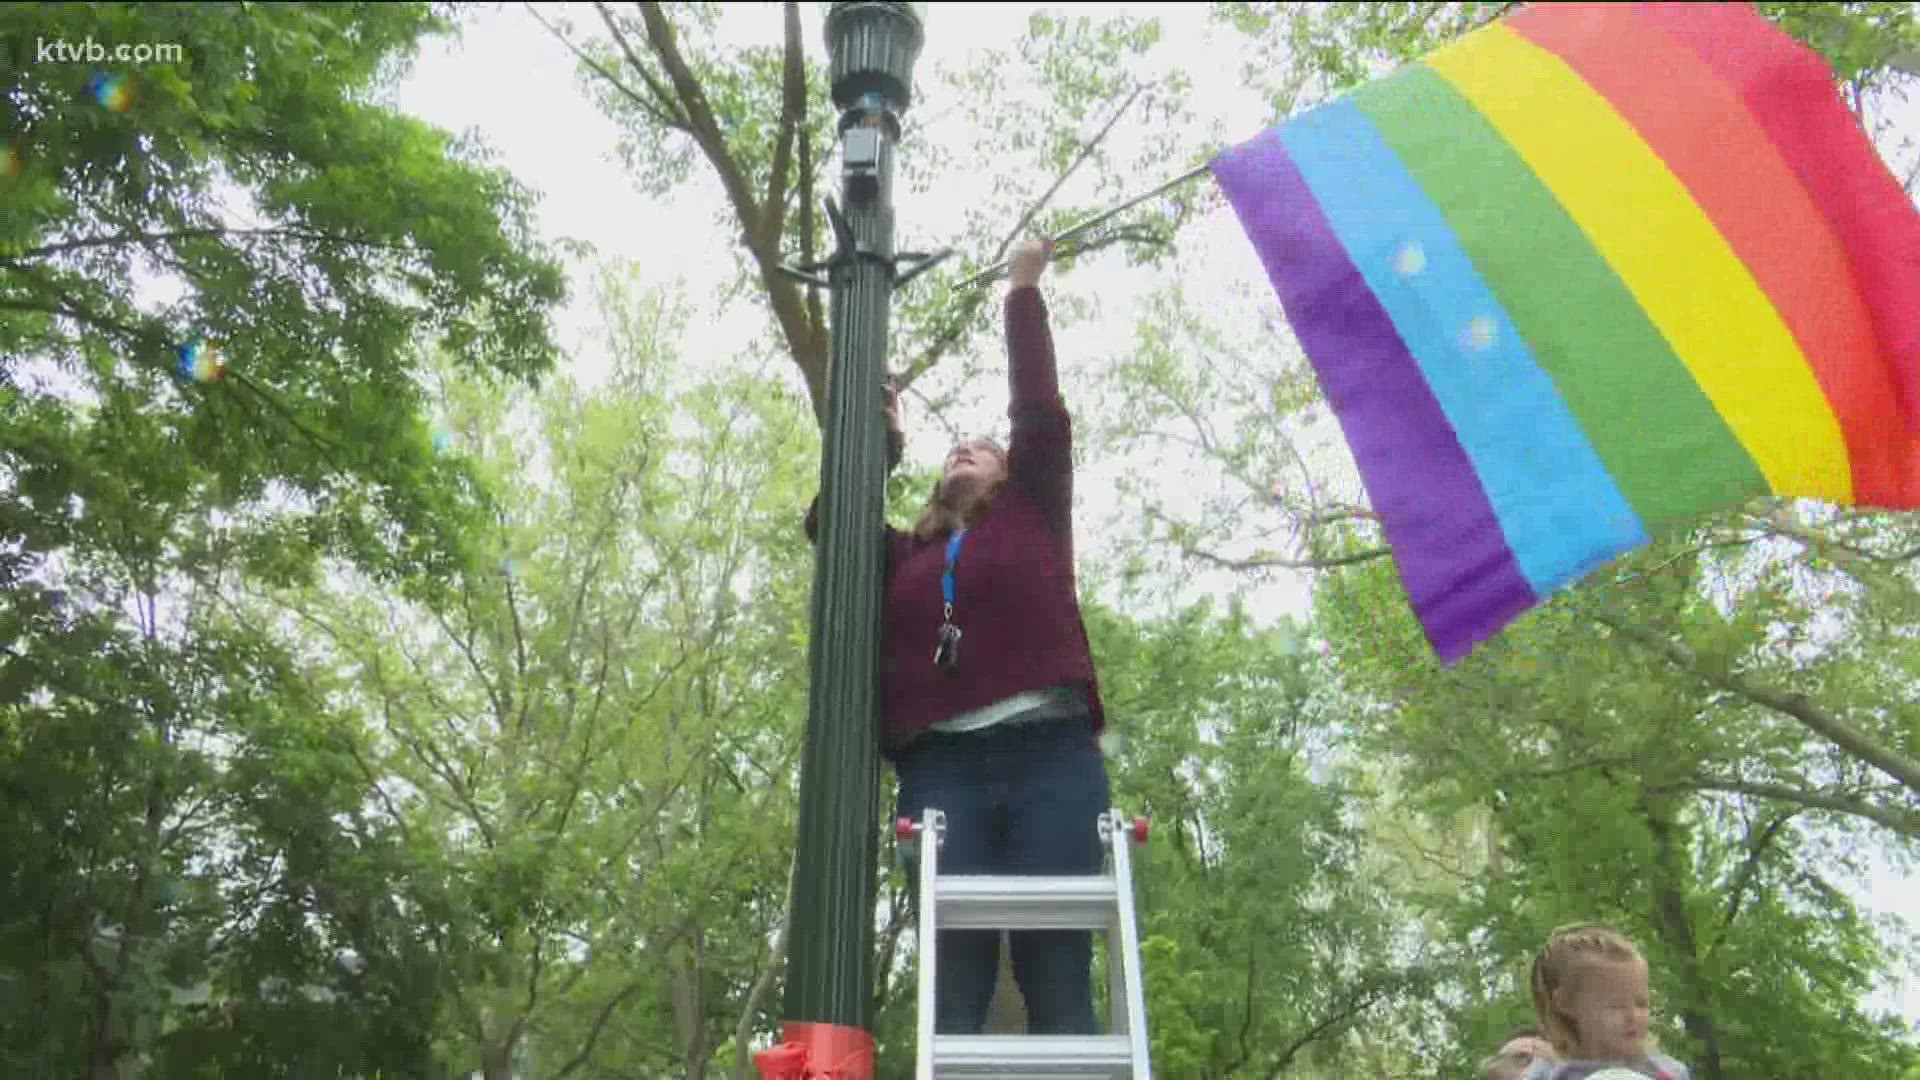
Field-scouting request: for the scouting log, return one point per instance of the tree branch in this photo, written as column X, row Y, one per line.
column 1435, row 860
column 1671, row 920
column 535, row 965
column 1086, row 152
column 615, row 504
column 1360, row 1001
column 658, row 110
column 1077, row 248
column 1266, row 562
column 1201, row 431
column 465, row 645
column 1905, row 823
column 68, row 307
column 321, row 443
column 670, row 110
column 1687, row 556
column 1246, row 1016
column 519, row 650
column 804, row 343
column 889, row 942
column 587, row 1044
column 1338, row 514
column 373, row 781
column 1750, row 866
column 186, row 827
column 949, row 333
column 1842, row 733
column 743, row 1030
column 439, row 767
column 208, row 232
column 816, row 318
column 692, row 99
column 793, row 120
column 1591, row 764
column 65, row 306
column 1782, row 523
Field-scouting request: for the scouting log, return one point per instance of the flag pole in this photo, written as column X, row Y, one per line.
column 1100, row 218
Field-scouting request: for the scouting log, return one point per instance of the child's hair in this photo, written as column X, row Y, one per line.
column 1558, row 963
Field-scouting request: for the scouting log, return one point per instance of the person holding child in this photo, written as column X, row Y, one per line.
column 1517, row 1055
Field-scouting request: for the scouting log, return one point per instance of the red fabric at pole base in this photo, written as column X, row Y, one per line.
column 818, row 1052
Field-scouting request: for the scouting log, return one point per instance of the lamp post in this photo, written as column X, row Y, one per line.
column 829, row 975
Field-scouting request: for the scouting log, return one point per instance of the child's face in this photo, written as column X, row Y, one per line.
column 1610, row 1010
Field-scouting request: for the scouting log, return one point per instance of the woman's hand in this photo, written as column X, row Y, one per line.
column 891, row 403
column 896, row 436
column 1028, row 262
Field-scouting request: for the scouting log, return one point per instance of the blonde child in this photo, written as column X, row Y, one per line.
column 1590, row 994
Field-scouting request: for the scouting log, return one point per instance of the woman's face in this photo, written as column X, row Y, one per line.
column 976, row 465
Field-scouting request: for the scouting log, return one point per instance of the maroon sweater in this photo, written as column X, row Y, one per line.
column 1014, row 594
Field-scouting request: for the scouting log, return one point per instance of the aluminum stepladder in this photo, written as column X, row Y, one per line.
column 1102, row 902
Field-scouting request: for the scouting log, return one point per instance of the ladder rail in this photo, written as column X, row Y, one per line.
column 1129, row 934
column 933, row 828
column 1119, row 1022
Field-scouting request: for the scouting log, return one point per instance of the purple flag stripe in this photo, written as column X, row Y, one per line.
column 1453, row 559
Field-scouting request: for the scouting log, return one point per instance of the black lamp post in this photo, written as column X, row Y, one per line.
column 829, row 974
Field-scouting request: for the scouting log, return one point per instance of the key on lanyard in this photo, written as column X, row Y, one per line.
column 947, row 652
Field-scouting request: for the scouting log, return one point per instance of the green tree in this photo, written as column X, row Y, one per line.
column 249, row 197
column 594, row 730
column 1271, row 945
column 1606, row 783
column 315, row 238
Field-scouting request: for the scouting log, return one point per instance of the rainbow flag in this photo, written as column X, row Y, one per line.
column 1584, row 274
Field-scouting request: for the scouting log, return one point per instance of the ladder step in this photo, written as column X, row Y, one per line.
column 1033, row 1057
column 1000, row 902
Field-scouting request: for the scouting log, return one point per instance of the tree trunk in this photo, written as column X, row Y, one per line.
column 1496, row 855
column 113, row 1028
column 743, row 1068
column 689, row 1011
column 1676, row 931
column 103, row 1055
column 496, row 1062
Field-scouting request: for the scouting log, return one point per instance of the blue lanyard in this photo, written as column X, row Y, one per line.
column 946, row 577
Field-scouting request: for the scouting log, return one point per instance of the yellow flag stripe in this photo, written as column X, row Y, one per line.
column 1666, row 252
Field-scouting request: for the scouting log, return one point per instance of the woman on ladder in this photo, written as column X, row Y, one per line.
column 990, row 709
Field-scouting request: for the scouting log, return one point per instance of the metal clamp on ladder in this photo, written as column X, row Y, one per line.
column 1102, row 902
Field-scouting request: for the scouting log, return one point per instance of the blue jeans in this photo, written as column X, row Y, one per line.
column 1019, row 799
